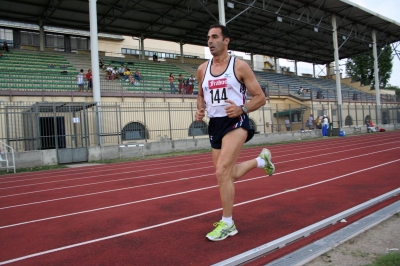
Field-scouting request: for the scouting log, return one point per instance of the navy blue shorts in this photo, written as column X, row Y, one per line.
column 220, row 126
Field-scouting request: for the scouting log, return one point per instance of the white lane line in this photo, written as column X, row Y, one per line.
column 152, row 175
column 167, row 160
column 182, row 219
column 169, row 166
column 166, row 196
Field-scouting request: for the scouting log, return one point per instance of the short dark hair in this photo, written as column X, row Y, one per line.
column 224, row 30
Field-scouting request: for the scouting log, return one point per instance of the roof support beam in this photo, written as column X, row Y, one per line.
column 94, row 47
column 337, row 69
column 221, row 12
column 376, row 73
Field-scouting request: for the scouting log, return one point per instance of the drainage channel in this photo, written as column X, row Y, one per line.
column 319, row 247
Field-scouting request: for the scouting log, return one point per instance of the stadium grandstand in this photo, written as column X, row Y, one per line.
column 49, row 44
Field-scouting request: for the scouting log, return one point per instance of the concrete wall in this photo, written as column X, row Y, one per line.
column 49, row 157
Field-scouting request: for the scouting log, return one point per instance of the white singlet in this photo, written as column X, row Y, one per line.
column 217, row 89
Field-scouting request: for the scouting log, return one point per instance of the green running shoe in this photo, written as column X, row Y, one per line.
column 222, row 231
column 269, row 166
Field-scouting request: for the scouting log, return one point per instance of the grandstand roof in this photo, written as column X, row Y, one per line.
column 304, row 32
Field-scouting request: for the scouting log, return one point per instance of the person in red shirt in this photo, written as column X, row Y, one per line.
column 371, row 127
column 89, row 80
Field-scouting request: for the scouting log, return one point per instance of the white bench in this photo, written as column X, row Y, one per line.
column 357, row 129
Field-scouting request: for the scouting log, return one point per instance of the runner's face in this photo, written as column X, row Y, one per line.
column 216, row 43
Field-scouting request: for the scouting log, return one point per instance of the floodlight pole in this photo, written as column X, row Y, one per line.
column 221, row 11
column 337, row 70
column 376, row 74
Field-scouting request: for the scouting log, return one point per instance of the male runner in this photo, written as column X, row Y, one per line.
column 223, row 81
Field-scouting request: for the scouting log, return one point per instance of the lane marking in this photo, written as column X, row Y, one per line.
column 158, row 174
column 179, row 220
column 161, row 197
column 126, row 188
column 135, row 164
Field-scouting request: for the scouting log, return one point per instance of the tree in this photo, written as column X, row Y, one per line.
column 361, row 67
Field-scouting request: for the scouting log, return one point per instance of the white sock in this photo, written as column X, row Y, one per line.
column 227, row 220
column 260, row 162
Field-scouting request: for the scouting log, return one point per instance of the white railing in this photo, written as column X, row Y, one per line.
column 7, row 157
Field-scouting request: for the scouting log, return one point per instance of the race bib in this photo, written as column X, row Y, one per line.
column 218, row 91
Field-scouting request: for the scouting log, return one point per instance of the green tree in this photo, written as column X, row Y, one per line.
column 361, row 67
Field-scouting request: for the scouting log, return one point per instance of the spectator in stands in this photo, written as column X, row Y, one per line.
column 317, row 123
column 171, row 83
column 121, row 70
column 101, row 64
column 300, row 91
column 325, row 124
column 109, row 68
column 51, row 65
column 89, row 81
column 185, row 86
column 80, row 80
column 127, row 73
column 319, row 95
column 63, row 66
column 155, row 58
column 131, row 79
column 114, row 73
column 109, row 75
column 310, row 122
column 5, row 46
column 371, row 127
column 191, row 81
column 138, row 76
column 287, row 123
column 180, row 83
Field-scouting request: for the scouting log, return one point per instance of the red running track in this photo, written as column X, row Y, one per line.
column 157, row 212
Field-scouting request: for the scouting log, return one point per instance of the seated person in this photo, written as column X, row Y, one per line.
column 101, row 64
column 115, row 73
column 109, row 68
column 63, row 66
column 51, row 65
column 155, row 58
column 138, row 76
column 131, row 79
column 121, row 70
column 127, row 73
column 109, row 75
column 5, row 46
column 371, row 127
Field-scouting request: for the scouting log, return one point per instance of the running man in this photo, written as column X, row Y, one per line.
column 223, row 81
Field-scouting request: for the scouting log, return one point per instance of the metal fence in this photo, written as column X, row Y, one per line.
column 58, row 125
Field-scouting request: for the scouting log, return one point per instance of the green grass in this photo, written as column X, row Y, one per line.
column 389, row 259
